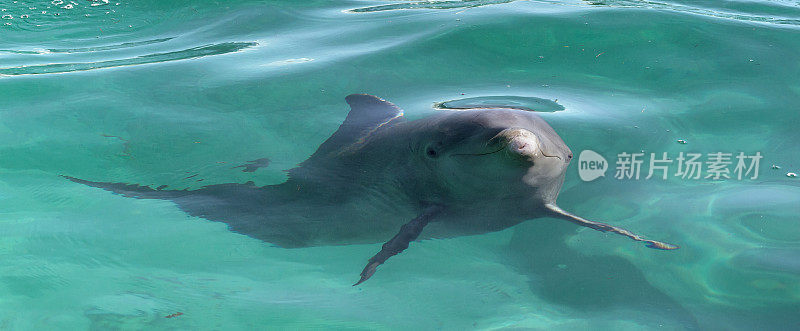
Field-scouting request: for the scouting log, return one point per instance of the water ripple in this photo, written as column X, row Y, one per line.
column 191, row 53
column 88, row 49
column 781, row 13
column 442, row 4
column 108, row 47
column 512, row 102
column 724, row 13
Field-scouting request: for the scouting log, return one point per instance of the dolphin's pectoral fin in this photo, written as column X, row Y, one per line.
column 560, row 213
column 408, row 233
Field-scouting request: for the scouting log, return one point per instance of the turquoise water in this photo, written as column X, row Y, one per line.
column 179, row 92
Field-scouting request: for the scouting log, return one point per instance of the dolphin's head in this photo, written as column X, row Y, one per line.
column 496, row 152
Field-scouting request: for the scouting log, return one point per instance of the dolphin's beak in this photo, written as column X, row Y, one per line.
column 545, row 153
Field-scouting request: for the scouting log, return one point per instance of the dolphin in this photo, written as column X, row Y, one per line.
column 451, row 174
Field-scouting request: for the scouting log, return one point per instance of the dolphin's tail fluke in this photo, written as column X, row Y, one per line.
column 133, row 190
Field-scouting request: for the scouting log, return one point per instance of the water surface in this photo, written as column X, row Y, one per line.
column 179, row 93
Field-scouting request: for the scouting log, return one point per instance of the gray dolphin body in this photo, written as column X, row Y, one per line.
column 455, row 173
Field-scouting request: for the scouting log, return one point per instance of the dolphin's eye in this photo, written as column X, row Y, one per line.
column 431, row 152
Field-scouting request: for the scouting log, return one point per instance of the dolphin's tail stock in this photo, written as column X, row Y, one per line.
column 245, row 208
column 133, row 190
column 204, row 202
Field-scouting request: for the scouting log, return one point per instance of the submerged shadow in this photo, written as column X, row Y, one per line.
column 594, row 285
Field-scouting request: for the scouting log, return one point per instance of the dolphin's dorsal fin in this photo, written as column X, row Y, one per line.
column 369, row 111
column 367, row 114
